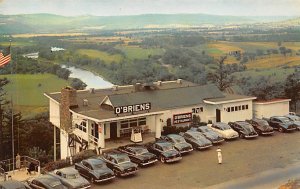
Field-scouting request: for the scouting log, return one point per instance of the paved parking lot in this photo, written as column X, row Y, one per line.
column 200, row 168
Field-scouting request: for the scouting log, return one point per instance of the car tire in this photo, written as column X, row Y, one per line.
column 242, row 135
column 116, row 172
column 162, row 159
column 280, row 129
column 92, row 179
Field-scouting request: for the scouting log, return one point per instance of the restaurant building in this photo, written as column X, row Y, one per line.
column 86, row 119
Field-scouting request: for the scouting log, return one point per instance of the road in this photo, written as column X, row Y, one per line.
column 242, row 158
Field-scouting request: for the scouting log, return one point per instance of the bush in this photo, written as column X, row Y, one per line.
column 174, row 129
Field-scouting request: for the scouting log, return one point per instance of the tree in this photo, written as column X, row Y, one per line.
column 292, row 88
column 3, row 102
column 221, row 76
column 78, row 84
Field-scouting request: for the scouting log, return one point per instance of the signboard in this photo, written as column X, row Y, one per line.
column 182, row 118
column 133, row 108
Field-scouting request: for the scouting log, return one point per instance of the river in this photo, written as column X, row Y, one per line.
column 89, row 78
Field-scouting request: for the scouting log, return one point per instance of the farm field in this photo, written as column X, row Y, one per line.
column 134, row 52
column 27, row 90
column 17, row 43
column 27, row 35
column 273, row 62
column 108, row 58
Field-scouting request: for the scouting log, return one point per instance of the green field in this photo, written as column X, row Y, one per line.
column 133, row 52
column 27, row 90
column 108, row 58
column 17, row 43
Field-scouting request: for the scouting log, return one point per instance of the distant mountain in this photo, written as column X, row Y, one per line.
column 49, row 23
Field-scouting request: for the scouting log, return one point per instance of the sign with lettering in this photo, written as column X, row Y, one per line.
column 182, row 118
column 133, row 108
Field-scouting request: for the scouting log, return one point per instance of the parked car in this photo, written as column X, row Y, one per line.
column 13, row 184
column 295, row 119
column 95, row 170
column 138, row 154
column 210, row 134
column 46, row 182
column 244, row 129
column 225, row 130
column 120, row 163
column 261, row 126
column 164, row 151
column 282, row 123
column 196, row 139
column 71, row 178
column 178, row 142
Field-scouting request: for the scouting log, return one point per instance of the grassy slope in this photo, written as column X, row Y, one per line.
column 133, row 52
column 27, row 95
column 101, row 55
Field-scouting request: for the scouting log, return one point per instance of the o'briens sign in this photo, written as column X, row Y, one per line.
column 133, row 108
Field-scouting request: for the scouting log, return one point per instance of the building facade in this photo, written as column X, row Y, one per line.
column 87, row 119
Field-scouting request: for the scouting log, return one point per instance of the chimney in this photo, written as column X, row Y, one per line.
column 159, row 83
column 115, row 87
column 179, row 81
column 67, row 102
column 137, row 87
column 92, row 90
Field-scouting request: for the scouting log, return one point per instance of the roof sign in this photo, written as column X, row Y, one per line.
column 133, row 108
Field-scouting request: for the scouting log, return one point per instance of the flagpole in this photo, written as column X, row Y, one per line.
column 12, row 121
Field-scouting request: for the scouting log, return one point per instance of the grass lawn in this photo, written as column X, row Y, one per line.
column 101, row 55
column 134, row 52
column 27, row 91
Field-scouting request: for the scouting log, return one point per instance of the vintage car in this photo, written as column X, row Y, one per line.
column 261, row 126
column 13, row 184
column 138, row 154
column 196, row 139
column 95, row 170
column 164, row 151
column 295, row 119
column 282, row 123
column 225, row 130
column 178, row 142
column 120, row 163
column 71, row 178
column 244, row 129
column 210, row 134
column 45, row 182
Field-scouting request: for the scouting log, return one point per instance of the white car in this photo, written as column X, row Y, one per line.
column 225, row 130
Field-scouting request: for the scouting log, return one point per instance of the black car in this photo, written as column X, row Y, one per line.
column 244, row 129
column 95, row 170
column 13, row 184
column 178, row 142
column 138, row 154
column 261, row 126
column 46, row 182
column 196, row 139
column 282, row 123
column 120, row 163
column 210, row 134
column 164, row 151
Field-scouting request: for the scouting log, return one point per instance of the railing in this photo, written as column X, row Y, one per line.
column 9, row 165
column 93, row 139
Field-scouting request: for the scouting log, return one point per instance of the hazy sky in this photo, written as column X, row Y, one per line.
column 134, row 7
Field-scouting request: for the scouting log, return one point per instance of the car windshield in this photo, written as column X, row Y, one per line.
column 140, row 151
column 56, row 185
column 72, row 176
column 123, row 159
column 197, row 136
column 167, row 147
column 224, row 126
column 263, row 122
column 179, row 140
column 285, row 119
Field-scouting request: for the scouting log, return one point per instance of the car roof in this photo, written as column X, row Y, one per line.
column 46, row 178
column 12, row 184
column 116, row 154
column 194, row 133
column 68, row 170
column 163, row 143
column 279, row 117
column 257, row 119
column 242, row 123
column 94, row 161
column 220, row 123
column 174, row 136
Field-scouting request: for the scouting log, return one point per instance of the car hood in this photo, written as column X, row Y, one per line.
column 170, row 153
column 265, row 128
column 203, row 141
column 287, row 124
column 103, row 171
column 297, row 123
column 146, row 156
column 230, row 132
column 211, row 135
column 78, row 182
column 182, row 145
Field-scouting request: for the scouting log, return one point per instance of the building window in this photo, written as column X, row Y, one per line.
column 142, row 121
column 82, row 126
column 228, row 109
column 236, row 108
column 133, row 123
column 246, row 106
column 239, row 107
column 243, row 107
column 232, row 109
column 124, row 124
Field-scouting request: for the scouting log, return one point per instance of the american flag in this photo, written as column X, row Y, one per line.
column 5, row 58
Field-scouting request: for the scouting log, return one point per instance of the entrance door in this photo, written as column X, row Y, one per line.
column 113, row 130
column 218, row 115
column 95, row 130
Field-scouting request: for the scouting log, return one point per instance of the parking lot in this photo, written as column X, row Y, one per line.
column 200, row 169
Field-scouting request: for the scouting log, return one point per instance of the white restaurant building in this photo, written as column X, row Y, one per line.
column 87, row 118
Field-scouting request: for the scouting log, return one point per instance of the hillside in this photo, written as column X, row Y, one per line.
column 45, row 23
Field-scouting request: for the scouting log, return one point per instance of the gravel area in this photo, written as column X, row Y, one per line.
column 200, row 168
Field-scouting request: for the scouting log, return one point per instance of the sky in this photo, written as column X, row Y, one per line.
column 136, row 7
